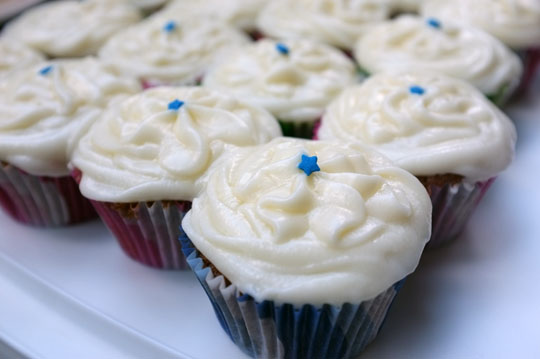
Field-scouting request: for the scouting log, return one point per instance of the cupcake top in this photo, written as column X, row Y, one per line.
column 514, row 22
column 335, row 22
column 45, row 108
column 71, row 28
column 16, row 55
column 429, row 124
column 159, row 144
column 293, row 79
column 343, row 233
column 416, row 44
column 165, row 50
column 237, row 13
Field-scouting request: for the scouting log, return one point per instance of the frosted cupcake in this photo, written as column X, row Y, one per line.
column 16, row 56
column 440, row 129
column 237, row 13
column 145, row 160
column 163, row 51
column 44, row 110
column 302, row 245
column 294, row 80
column 514, row 22
column 411, row 43
column 71, row 28
column 334, row 22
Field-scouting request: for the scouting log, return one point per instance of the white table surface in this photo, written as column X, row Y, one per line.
column 72, row 293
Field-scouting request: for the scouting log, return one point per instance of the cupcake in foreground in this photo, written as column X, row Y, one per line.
column 302, row 245
column 71, row 28
column 16, row 55
column 440, row 129
column 334, row 22
column 145, row 160
column 44, row 110
column 294, row 80
column 165, row 51
column 515, row 22
column 411, row 43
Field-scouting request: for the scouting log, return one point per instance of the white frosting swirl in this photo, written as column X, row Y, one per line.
column 335, row 22
column 295, row 87
column 72, row 28
column 178, row 56
column 514, row 22
column 42, row 116
column 237, row 13
column 142, row 151
column 450, row 129
column 344, row 234
column 409, row 43
column 15, row 56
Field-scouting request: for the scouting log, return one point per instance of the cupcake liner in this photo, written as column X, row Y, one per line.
column 268, row 330
column 148, row 84
column 531, row 63
column 297, row 129
column 453, row 205
column 147, row 231
column 501, row 97
column 40, row 200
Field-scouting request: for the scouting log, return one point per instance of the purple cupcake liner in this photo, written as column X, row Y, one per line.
column 453, row 205
column 267, row 330
column 531, row 63
column 149, row 233
column 42, row 201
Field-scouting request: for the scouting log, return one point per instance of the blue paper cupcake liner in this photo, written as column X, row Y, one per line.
column 267, row 330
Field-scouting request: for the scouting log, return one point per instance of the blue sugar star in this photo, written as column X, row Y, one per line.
column 416, row 90
column 170, row 26
column 434, row 23
column 175, row 105
column 282, row 48
column 309, row 165
column 44, row 71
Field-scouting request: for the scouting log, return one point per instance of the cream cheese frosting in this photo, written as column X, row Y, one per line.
column 162, row 49
column 237, row 13
column 44, row 110
column 159, row 144
column 15, row 56
column 335, row 22
column 294, row 80
column 514, row 22
column 343, row 234
column 416, row 44
column 428, row 124
column 71, row 28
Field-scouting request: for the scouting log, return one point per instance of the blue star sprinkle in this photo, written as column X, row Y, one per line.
column 417, row 90
column 170, row 26
column 282, row 48
column 175, row 105
column 44, row 71
column 434, row 23
column 309, row 165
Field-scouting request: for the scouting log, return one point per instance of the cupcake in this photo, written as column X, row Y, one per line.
column 71, row 28
column 515, row 22
column 302, row 245
column 16, row 55
column 294, row 80
column 146, row 159
column 165, row 51
column 411, row 43
column 440, row 129
column 240, row 14
column 337, row 23
column 44, row 110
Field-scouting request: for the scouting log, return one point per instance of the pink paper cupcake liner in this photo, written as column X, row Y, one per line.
column 42, row 201
column 453, row 205
column 149, row 232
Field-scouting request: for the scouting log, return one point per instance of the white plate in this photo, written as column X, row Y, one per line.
column 71, row 292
